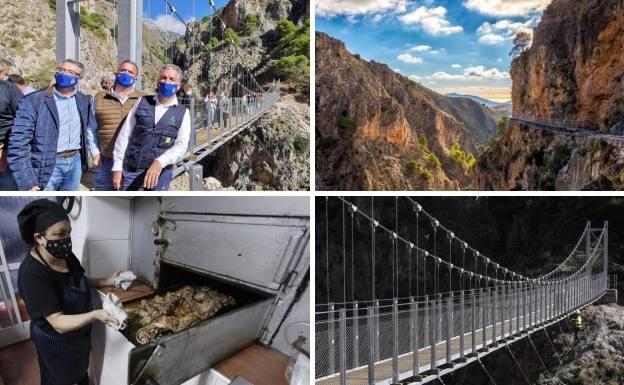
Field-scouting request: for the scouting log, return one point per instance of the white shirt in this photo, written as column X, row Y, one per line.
column 169, row 157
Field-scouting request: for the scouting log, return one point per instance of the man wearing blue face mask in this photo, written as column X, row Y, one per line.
column 110, row 109
column 48, row 143
column 153, row 138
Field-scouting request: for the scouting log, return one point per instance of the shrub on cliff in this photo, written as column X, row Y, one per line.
column 250, row 25
column 294, row 40
column 230, row 36
column 464, row 158
column 434, row 160
column 346, row 124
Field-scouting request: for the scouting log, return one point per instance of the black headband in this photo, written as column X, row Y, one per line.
column 38, row 216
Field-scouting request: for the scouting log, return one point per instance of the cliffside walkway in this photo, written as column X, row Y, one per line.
column 567, row 127
column 471, row 307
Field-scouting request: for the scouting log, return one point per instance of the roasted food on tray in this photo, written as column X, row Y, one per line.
column 177, row 310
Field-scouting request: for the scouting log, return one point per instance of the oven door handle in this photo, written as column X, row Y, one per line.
column 141, row 379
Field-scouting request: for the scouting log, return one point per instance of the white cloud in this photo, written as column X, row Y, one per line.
column 456, row 66
column 431, row 20
column 438, row 51
column 507, row 7
column 446, row 76
column 170, row 23
column 479, row 72
column 473, row 73
column 407, row 58
column 415, row 78
column 421, row 48
column 396, row 70
column 331, row 8
column 503, row 30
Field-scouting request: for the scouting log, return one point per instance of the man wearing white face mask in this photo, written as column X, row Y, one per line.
column 153, row 138
column 110, row 109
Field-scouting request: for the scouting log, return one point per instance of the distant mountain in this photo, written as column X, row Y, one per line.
column 477, row 118
column 478, row 99
column 504, row 109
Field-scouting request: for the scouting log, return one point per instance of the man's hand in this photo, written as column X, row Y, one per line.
column 97, row 160
column 3, row 159
column 117, row 180
column 35, row 188
column 151, row 176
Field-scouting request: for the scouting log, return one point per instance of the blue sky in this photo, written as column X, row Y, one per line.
column 447, row 45
column 188, row 10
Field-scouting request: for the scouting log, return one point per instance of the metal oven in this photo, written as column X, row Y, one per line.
column 255, row 251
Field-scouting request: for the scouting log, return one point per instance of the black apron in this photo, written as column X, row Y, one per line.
column 64, row 358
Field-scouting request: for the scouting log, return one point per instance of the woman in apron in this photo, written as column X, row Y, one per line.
column 57, row 295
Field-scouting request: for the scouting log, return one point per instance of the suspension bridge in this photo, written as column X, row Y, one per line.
column 569, row 127
column 240, row 98
column 460, row 306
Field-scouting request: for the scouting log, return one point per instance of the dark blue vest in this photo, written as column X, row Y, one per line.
column 149, row 139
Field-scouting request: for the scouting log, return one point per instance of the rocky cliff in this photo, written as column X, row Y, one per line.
column 378, row 130
column 573, row 71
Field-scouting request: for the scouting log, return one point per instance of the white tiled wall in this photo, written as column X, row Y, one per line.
column 108, row 235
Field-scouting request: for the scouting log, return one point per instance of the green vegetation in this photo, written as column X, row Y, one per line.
column 423, row 142
column 294, row 40
column 502, row 124
column 250, row 25
column 294, row 47
column 94, row 22
column 433, row 160
column 162, row 58
column 296, row 68
column 560, row 157
column 229, row 36
column 212, row 44
column 301, row 144
column 346, row 124
column 413, row 168
column 464, row 158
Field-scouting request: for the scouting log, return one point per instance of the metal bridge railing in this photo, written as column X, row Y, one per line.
column 212, row 125
column 398, row 339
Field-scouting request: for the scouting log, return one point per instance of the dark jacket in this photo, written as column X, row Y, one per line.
column 149, row 139
column 10, row 96
column 34, row 137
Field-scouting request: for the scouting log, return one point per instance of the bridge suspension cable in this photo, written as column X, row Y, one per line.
column 447, row 321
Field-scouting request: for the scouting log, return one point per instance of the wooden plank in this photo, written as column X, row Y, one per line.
column 256, row 364
column 136, row 291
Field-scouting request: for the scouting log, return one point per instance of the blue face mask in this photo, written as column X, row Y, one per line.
column 167, row 90
column 124, row 79
column 64, row 80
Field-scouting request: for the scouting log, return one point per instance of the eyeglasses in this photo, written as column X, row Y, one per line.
column 66, row 71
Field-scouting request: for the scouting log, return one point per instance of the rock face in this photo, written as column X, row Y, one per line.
column 530, row 158
column 573, row 71
column 377, row 130
column 213, row 68
column 272, row 155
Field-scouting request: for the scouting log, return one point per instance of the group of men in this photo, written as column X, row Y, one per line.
column 134, row 140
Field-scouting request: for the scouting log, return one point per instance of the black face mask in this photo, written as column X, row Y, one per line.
column 59, row 248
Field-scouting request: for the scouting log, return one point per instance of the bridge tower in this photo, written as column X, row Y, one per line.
column 129, row 37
